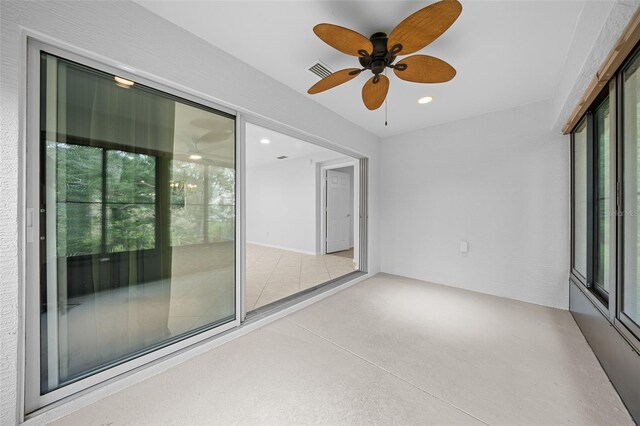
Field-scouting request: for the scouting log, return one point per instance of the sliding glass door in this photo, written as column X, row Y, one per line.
column 603, row 217
column 630, row 307
column 606, row 200
column 579, row 252
column 132, row 251
column 136, row 221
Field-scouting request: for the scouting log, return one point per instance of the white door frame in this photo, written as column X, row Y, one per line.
column 321, row 217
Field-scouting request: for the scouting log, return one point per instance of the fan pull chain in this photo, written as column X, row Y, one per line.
column 385, row 102
column 385, row 112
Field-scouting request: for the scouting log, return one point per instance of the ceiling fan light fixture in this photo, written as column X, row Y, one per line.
column 195, row 157
column 425, row 100
column 265, row 141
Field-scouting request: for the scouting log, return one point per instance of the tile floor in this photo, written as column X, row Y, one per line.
column 389, row 350
column 273, row 274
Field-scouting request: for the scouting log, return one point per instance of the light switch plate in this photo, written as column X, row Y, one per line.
column 464, row 247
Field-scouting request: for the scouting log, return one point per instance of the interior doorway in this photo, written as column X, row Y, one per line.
column 339, row 207
column 286, row 251
column 339, row 211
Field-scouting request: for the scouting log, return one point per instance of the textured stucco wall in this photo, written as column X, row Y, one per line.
column 127, row 33
column 619, row 16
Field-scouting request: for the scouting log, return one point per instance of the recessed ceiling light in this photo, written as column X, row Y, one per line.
column 265, row 141
column 195, row 157
column 123, row 82
column 425, row 100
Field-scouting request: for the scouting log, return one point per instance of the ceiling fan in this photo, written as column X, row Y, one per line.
column 379, row 52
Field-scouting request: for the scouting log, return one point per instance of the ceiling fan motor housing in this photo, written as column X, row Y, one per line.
column 380, row 57
column 379, row 52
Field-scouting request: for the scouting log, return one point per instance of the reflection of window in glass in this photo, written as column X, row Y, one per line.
column 124, row 269
column 602, row 196
column 130, row 201
column 193, row 221
column 631, row 184
column 78, row 198
column 580, row 200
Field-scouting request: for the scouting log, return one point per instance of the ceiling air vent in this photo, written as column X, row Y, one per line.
column 320, row 69
column 282, row 157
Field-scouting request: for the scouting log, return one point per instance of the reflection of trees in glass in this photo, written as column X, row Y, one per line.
column 131, row 178
column 131, row 195
column 129, row 202
column 193, row 221
column 221, row 223
column 186, row 184
column 79, row 197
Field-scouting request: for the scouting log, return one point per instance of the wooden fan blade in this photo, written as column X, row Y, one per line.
column 424, row 26
column 373, row 94
column 424, row 69
column 343, row 39
column 334, row 80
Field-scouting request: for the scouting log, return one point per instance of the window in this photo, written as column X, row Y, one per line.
column 137, row 226
column 631, row 181
column 95, row 183
column 606, row 199
column 187, row 203
column 130, row 201
column 580, row 199
column 602, row 197
column 202, row 203
column 592, row 208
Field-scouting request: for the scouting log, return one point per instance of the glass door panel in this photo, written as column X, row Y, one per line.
column 580, row 200
column 137, row 220
column 602, row 196
column 631, row 182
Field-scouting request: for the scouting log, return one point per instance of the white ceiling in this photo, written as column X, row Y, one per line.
column 259, row 154
column 506, row 53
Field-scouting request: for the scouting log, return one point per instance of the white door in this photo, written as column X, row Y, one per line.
column 338, row 210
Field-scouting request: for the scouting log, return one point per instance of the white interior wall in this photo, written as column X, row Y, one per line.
column 150, row 46
column 281, row 203
column 499, row 181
